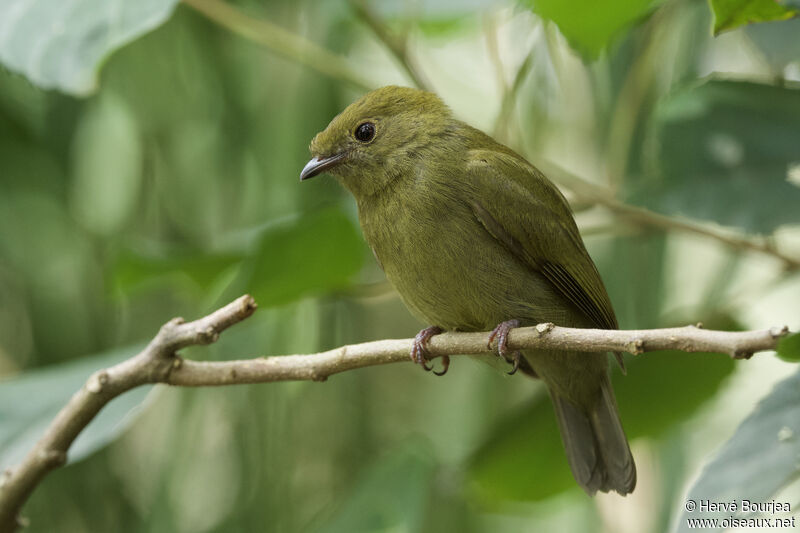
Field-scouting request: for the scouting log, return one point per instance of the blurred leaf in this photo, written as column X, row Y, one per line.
column 758, row 460
column 107, row 166
column 523, row 459
column 730, row 14
column 646, row 397
column 590, row 26
column 789, row 348
column 633, row 271
column 391, row 497
column 24, row 106
column 647, row 401
column 61, row 44
column 203, row 268
column 30, row 401
column 320, row 251
column 721, row 143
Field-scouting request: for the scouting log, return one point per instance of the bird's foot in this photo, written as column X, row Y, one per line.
column 514, row 362
column 501, row 334
column 419, row 350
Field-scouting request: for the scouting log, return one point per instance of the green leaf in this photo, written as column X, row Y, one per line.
column 60, row 45
column 721, row 143
column 107, row 166
column 789, row 348
column 203, row 268
column 730, row 14
column 758, row 460
column 524, row 459
column 318, row 252
column 30, row 401
column 590, row 26
column 392, row 496
column 647, row 401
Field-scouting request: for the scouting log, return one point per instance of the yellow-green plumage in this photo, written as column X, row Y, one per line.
column 471, row 235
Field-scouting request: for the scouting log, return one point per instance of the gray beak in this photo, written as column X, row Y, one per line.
column 318, row 165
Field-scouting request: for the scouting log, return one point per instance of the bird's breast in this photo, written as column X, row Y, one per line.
column 448, row 270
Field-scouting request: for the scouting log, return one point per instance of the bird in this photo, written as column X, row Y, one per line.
column 473, row 237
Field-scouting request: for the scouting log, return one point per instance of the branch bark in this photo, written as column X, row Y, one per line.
column 159, row 363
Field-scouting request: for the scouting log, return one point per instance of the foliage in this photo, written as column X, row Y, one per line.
column 761, row 455
column 592, row 30
column 727, row 138
column 730, row 14
column 171, row 187
column 71, row 39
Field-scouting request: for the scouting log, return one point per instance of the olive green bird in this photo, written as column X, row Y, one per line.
column 474, row 237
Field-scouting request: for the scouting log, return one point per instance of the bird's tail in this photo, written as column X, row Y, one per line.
column 596, row 446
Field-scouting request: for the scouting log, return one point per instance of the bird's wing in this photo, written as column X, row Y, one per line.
column 523, row 210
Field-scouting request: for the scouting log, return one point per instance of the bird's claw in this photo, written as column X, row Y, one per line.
column 419, row 350
column 445, row 366
column 501, row 334
column 515, row 362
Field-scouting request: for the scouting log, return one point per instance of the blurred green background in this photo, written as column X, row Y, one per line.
column 168, row 185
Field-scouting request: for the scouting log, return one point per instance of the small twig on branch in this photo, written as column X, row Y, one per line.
column 159, row 363
column 510, row 96
column 397, row 44
column 281, row 41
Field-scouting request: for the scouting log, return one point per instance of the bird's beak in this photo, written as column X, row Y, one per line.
column 317, row 165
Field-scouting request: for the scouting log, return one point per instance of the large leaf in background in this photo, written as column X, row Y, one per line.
column 203, row 268
column 725, row 150
column 789, row 348
column 758, row 460
column 392, row 496
column 60, row 45
column 590, row 26
column 524, row 459
column 284, row 260
column 730, row 14
column 319, row 251
column 30, row 401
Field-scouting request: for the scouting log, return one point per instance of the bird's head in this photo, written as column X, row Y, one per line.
column 379, row 138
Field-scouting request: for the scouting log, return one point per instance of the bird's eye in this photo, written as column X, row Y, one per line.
column 365, row 132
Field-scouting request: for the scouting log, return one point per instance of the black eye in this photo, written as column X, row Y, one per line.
column 365, row 132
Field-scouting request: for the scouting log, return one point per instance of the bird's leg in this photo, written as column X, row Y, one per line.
column 419, row 350
column 501, row 334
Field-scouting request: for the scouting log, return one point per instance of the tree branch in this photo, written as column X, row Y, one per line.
column 281, row 41
column 152, row 365
column 596, row 194
column 159, row 363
